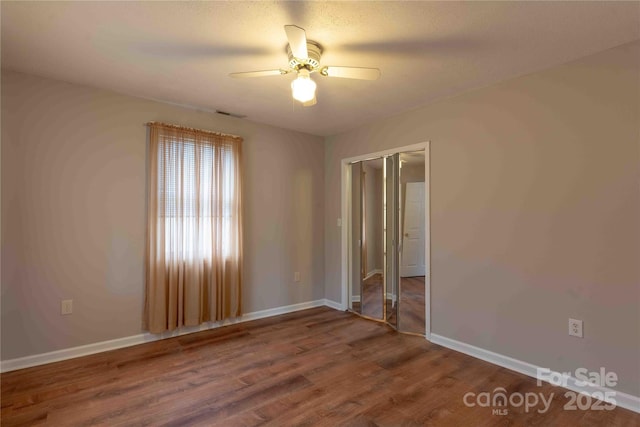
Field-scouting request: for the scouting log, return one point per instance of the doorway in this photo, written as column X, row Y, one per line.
column 385, row 236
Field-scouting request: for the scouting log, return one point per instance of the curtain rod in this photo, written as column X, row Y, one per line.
column 169, row 125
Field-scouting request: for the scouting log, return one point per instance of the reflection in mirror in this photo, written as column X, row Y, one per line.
column 412, row 268
column 390, row 232
column 355, row 269
column 367, row 234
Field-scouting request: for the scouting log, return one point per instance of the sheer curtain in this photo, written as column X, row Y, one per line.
column 194, row 227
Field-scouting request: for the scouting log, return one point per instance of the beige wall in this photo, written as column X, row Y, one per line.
column 73, row 212
column 535, row 212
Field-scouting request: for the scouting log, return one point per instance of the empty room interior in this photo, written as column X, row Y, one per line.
column 320, row 213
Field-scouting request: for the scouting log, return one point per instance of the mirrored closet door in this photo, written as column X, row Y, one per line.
column 387, row 240
column 367, row 193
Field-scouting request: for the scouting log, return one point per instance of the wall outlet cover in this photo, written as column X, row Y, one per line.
column 575, row 328
column 66, row 306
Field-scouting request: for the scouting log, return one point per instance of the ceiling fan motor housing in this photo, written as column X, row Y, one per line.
column 314, row 52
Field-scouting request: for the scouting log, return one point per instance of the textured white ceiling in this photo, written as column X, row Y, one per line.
column 181, row 52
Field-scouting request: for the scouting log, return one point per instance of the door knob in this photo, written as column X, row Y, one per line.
column 406, row 234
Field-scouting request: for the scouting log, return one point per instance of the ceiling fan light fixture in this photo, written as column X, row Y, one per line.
column 303, row 89
column 304, row 59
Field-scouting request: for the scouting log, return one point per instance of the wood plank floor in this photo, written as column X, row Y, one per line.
column 315, row 367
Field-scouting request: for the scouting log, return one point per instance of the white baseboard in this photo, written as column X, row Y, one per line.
column 85, row 350
column 335, row 305
column 279, row 310
column 623, row 400
column 372, row 273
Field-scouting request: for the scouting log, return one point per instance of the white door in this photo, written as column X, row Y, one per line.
column 413, row 234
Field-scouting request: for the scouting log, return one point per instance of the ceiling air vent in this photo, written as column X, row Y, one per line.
column 226, row 113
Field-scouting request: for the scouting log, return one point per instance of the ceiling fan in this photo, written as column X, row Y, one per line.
column 304, row 59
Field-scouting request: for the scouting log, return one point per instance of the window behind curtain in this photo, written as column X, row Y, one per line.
column 194, row 227
column 188, row 193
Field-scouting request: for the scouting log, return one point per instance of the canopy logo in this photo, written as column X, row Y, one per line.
column 500, row 401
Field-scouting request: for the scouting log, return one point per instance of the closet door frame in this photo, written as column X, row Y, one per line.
column 345, row 213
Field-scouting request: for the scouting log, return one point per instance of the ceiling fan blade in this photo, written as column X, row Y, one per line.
column 310, row 103
column 351, row 72
column 259, row 73
column 297, row 41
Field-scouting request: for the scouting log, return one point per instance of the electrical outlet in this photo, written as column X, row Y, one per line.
column 296, row 276
column 575, row 328
column 66, row 307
